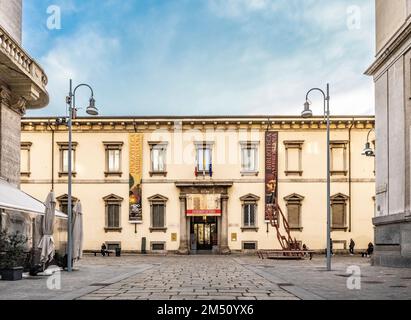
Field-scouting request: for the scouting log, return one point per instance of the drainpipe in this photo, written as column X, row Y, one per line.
column 52, row 155
column 349, row 178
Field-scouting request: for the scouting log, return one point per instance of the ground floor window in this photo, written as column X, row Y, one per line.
column 158, row 213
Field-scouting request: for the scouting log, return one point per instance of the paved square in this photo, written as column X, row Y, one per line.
column 194, row 277
column 141, row 277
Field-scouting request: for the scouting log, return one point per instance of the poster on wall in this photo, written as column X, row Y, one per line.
column 271, row 172
column 136, row 175
column 203, row 205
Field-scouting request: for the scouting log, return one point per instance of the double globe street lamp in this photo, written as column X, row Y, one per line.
column 92, row 111
column 307, row 113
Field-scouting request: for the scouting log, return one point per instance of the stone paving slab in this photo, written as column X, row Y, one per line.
column 194, row 277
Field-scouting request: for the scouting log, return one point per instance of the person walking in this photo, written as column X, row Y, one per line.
column 352, row 245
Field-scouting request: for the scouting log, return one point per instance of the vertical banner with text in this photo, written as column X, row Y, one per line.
column 136, row 175
column 271, row 171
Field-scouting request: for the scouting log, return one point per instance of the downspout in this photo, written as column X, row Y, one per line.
column 349, row 178
column 52, row 155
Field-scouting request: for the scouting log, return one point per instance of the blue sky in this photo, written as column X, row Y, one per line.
column 205, row 57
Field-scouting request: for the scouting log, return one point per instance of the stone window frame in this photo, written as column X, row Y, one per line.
column 26, row 146
column 339, row 144
column 204, row 145
column 339, row 199
column 158, row 145
column 253, row 145
column 255, row 242
column 294, row 144
column 112, row 199
column 295, row 199
column 63, row 200
column 116, row 243
column 164, row 243
column 158, row 199
column 113, row 145
column 249, row 199
column 63, row 146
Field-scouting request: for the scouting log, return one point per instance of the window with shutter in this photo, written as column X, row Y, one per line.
column 338, row 215
column 113, row 213
column 294, row 204
column 338, row 211
column 293, row 211
column 249, row 212
column 158, row 213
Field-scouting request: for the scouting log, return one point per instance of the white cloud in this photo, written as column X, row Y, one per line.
column 85, row 56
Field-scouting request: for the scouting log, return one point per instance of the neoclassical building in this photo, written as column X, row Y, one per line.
column 193, row 184
column 391, row 71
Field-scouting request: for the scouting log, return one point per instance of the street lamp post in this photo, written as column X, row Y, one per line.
column 368, row 151
column 307, row 113
column 91, row 110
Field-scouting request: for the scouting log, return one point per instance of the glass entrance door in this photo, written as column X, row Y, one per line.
column 204, row 230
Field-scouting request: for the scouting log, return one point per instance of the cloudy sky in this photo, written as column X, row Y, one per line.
column 204, row 57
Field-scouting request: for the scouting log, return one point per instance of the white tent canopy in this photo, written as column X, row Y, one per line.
column 14, row 199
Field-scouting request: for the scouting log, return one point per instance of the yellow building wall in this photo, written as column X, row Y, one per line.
column 91, row 185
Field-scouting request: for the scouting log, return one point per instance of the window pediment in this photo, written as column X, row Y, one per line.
column 294, row 198
column 157, row 198
column 250, row 197
column 113, row 198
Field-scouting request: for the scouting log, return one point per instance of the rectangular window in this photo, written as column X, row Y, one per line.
column 293, row 212
column 113, row 216
column 158, row 157
column 64, row 152
column 157, row 215
column 65, row 165
column 338, row 157
column 249, row 213
column 249, row 157
column 25, row 159
column 293, row 157
column 249, row 245
column 338, row 216
column 113, row 158
column 203, row 159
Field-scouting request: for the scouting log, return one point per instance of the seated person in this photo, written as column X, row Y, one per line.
column 103, row 249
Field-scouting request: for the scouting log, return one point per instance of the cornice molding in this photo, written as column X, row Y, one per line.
column 399, row 38
column 221, row 124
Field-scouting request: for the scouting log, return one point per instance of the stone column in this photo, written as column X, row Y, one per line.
column 183, row 249
column 224, row 249
column 11, row 110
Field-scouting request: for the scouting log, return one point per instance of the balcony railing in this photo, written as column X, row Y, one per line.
column 16, row 59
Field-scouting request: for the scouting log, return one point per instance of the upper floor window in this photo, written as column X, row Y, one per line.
column 249, row 157
column 293, row 157
column 113, row 158
column 63, row 202
column 249, row 212
column 338, row 157
column 293, row 203
column 158, row 213
column 204, row 158
column 158, row 154
column 25, row 158
column 339, row 212
column 64, row 152
column 113, row 212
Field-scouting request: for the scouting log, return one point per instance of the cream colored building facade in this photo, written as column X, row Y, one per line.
column 211, row 167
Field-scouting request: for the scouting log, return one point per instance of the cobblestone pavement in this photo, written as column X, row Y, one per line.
column 193, row 277
column 213, row 278
column 310, row 280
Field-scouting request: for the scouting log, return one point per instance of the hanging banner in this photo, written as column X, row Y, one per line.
column 271, row 171
column 136, row 175
column 203, row 205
